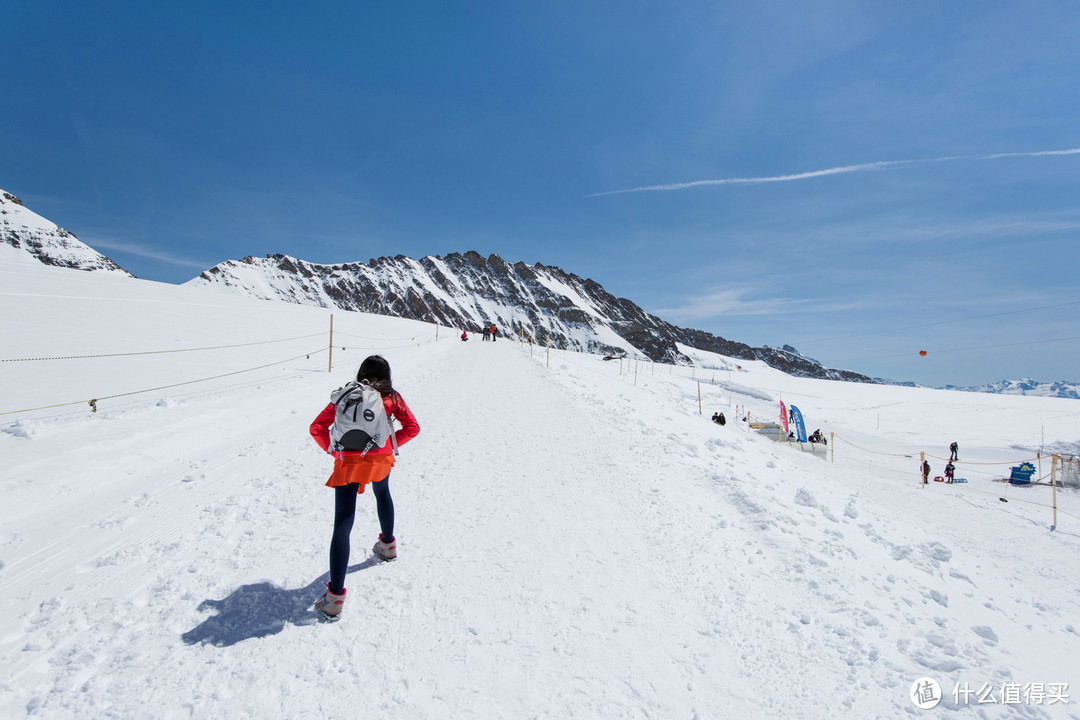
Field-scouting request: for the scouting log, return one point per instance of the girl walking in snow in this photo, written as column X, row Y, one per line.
column 354, row 471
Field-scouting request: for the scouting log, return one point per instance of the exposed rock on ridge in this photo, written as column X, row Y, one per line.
column 468, row 291
column 46, row 241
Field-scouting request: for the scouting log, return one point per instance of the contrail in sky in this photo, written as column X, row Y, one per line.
column 862, row 167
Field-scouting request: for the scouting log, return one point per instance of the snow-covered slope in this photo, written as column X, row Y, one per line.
column 467, row 291
column 576, row 540
column 24, row 234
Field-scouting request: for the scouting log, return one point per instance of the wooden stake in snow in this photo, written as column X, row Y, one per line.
column 1053, row 486
column 330, row 358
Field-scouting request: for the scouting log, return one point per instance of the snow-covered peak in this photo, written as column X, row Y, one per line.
column 33, row 236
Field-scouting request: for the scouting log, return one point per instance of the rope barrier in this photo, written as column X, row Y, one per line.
column 159, row 352
column 935, row 457
column 362, row 337
column 93, row 401
column 623, row 379
column 382, row 347
column 872, row 452
column 1006, row 462
column 1010, row 499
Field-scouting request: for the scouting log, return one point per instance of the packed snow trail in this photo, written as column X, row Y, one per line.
column 519, row 584
column 516, row 543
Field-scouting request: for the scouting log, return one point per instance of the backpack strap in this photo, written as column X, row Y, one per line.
column 393, row 434
column 390, row 422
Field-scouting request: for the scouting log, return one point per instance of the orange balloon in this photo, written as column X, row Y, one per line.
column 922, row 353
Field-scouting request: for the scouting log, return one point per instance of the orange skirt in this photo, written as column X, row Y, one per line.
column 363, row 470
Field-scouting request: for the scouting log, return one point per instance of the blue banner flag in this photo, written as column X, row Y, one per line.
column 800, row 428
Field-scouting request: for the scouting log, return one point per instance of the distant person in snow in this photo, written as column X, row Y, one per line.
column 487, row 333
column 464, row 335
column 954, row 451
column 353, row 471
column 925, row 472
column 950, row 470
column 719, row 419
column 494, row 333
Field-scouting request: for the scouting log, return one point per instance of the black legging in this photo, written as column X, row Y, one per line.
column 344, row 514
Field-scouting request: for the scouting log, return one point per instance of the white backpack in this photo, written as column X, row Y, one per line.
column 360, row 420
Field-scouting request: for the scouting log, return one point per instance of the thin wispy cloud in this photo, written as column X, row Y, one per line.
column 144, row 251
column 843, row 169
column 733, row 302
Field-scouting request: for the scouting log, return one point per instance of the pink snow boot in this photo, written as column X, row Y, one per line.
column 386, row 550
column 331, row 605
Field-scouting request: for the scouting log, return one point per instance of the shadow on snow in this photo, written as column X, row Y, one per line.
column 259, row 610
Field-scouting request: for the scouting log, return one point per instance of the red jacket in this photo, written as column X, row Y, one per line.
column 394, row 404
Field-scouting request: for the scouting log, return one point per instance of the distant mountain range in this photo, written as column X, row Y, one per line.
column 466, row 292
column 1026, row 386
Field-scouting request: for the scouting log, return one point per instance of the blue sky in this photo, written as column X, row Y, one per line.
column 174, row 137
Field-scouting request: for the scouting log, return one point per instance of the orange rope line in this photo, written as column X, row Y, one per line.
column 936, row 457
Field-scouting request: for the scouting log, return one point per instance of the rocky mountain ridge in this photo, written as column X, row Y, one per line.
column 469, row 291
